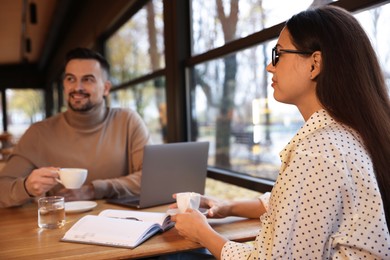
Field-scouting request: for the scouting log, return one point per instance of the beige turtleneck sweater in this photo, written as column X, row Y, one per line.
column 108, row 142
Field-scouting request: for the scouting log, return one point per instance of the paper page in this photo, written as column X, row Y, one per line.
column 109, row 231
column 155, row 217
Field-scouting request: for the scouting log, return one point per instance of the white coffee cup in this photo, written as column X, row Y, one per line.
column 187, row 200
column 72, row 178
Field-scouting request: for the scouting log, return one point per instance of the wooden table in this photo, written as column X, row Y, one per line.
column 21, row 238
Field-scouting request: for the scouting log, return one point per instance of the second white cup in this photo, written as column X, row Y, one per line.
column 72, row 178
column 187, row 200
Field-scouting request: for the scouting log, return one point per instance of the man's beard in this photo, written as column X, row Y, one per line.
column 84, row 108
column 78, row 107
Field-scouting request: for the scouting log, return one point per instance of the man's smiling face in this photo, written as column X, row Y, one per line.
column 85, row 84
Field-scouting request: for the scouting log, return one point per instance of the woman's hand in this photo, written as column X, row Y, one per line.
column 191, row 225
column 217, row 208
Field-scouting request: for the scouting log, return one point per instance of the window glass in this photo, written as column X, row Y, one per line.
column 235, row 111
column 375, row 22
column 232, row 100
column 24, row 107
column 148, row 99
column 137, row 48
column 215, row 24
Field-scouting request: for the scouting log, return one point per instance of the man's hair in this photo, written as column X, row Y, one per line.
column 350, row 85
column 88, row 54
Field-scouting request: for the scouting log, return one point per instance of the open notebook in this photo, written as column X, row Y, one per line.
column 120, row 228
column 167, row 169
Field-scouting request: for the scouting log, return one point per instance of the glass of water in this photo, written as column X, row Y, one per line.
column 51, row 212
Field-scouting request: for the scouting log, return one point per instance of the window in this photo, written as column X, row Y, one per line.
column 24, row 107
column 245, row 126
column 229, row 99
column 137, row 48
column 148, row 99
column 375, row 22
column 136, row 54
column 215, row 23
column 233, row 104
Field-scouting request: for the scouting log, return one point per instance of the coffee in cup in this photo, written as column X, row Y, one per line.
column 187, row 200
column 72, row 178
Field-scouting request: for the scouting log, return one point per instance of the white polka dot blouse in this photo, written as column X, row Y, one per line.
column 325, row 203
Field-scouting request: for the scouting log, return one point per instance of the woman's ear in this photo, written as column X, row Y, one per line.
column 316, row 64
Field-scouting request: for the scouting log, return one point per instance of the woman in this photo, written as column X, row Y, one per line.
column 330, row 199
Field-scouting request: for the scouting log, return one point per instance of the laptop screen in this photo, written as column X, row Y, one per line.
column 171, row 168
column 168, row 169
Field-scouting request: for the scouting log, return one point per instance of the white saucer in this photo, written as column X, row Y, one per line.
column 79, row 206
column 173, row 212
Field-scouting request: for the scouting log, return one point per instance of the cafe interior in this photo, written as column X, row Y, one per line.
column 169, row 62
column 193, row 69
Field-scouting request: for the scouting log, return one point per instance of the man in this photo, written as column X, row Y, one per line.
column 108, row 142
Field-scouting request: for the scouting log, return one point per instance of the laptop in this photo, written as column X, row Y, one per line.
column 168, row 169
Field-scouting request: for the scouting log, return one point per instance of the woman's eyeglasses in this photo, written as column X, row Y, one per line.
column 276, row 54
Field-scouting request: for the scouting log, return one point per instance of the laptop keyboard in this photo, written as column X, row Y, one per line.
column 128, row 201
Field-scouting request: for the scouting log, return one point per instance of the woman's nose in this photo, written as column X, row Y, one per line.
column 270, row 68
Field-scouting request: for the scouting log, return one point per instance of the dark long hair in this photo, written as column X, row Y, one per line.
column 351, row 85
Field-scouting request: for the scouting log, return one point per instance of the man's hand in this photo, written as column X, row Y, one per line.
column 86, row 192
column 41, row 180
